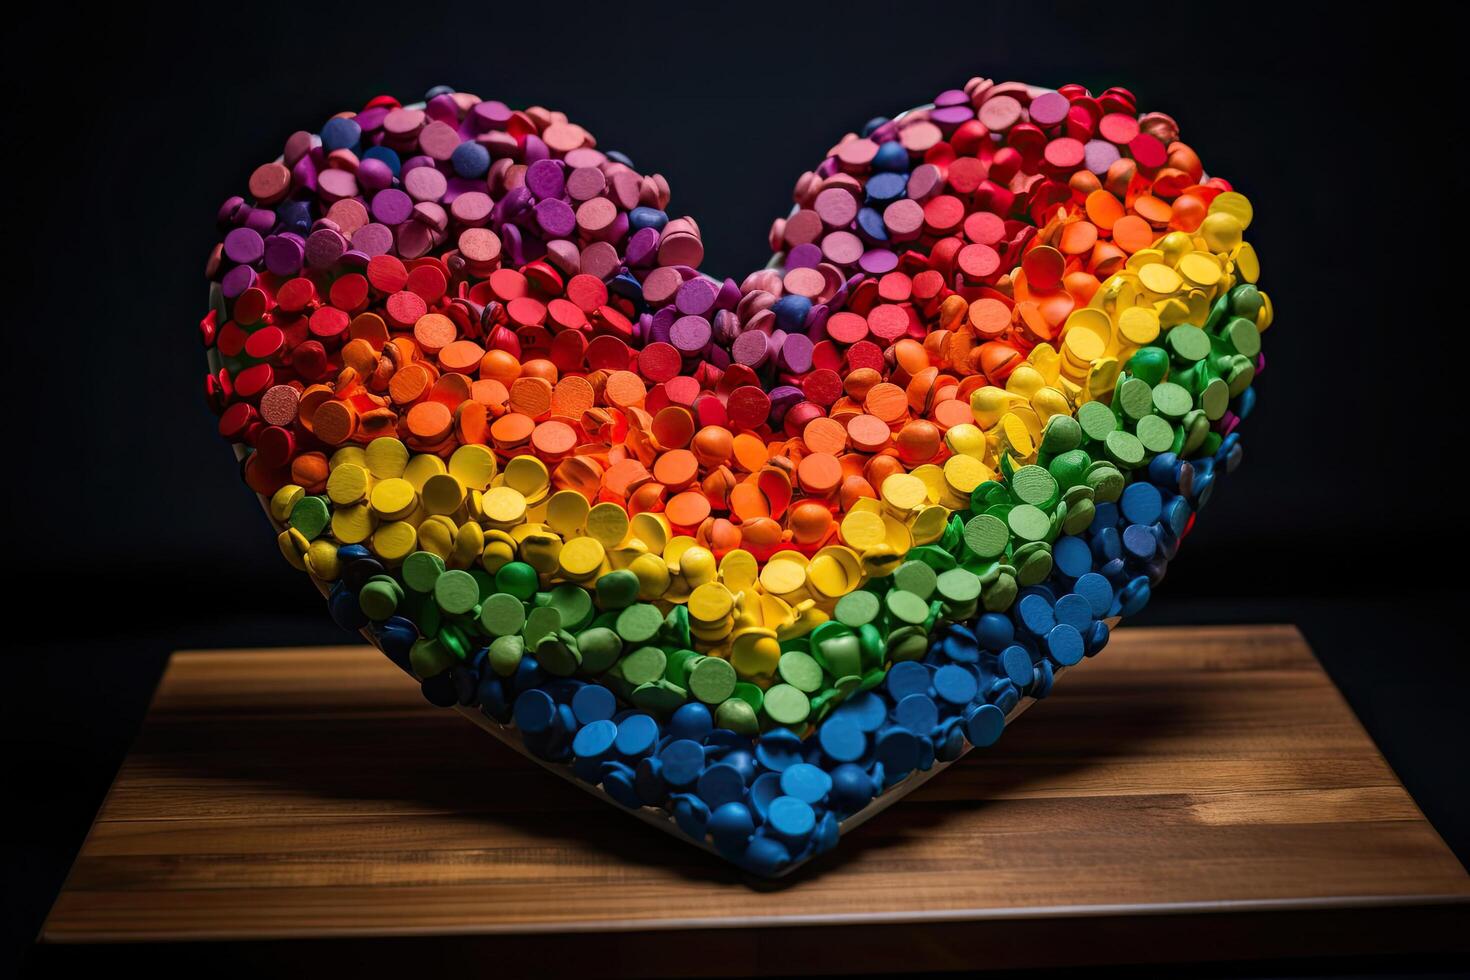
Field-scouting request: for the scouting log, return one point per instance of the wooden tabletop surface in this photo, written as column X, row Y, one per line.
column 310, row 796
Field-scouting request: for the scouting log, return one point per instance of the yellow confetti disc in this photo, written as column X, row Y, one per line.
column 1222, row 230
column 580, row 557
column 652, row 530
column 827, row 577
column 395, row 540
column 896, row 535
column 504, row 505
column 1235, row 204
column 904, row 492
column 349, row 455
column 710, row 603
column 653, row 576
column 1084, row 345
column 782, row 577
column 967, row 440
column 963, row 474
column 1200, row 269
column 352, row 524
column 393, row 499
column 284, row 500
column 566, row 512
column 1017, row 434
column 755, row 654
column 933, row 477
column 863, row 529
column 386, row 458
column 293, row 545
column 929, row 525
column 322, row 560
column 988, row 404
column 1139, row 325
column 474, row 466
column 606, row 522
column 1159, row 278
column 437, row 535
column 1247, row 262
column 421, row 467
column 526, row 475
column 347, row 484
column 442, row 494
column 738, row 570
column 696, row 564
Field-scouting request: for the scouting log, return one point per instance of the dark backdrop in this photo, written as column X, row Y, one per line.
column 134, row 535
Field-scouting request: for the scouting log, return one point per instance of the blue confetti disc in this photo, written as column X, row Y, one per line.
column 683, row 761
column 1141, row 503
column 637, row 734
column 955, row 684
column 994, row 631
column 791, row 818
column 1016, row 662
column 852, row 788
column 1065, row 645
column 842, row 739
column 534, row 711
column 898, row 750
column 720, row 784
column 917, row 712
column 692, row 720
column 806, row 782
column 731, row 824
column 907, row 677
column 779, row 748
column 1098, row 592
column 594, row 740
column 767, row 787
column 1074, row 610
column 1071, row 556
column 593, row 702
column 983, row 725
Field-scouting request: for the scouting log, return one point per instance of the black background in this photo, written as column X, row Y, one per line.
column 132, row 535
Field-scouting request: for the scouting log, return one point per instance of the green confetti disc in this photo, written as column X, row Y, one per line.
column 600, row 648
column 959, row 585
column 1035, row 485
column 421, row 570
column 1188, row 342
column 1172, row 401
column 987, row 536
column 502, row 614
column 906, row 607
column 787, row 705
column 915, row 577
column 643, row 665
column 1135, row 398
column 1096, row 419
column 640, row 623
column 310, row 516
column 1155, row 433
column 712, row 680
column 1029, row 523
column 800, row 671
column 456, row 592
column 1124, row 449
column 857, row 608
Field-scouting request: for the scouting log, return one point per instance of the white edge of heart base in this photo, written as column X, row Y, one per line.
column 655, row 816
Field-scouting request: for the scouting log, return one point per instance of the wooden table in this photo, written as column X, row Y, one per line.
column 1192, row 794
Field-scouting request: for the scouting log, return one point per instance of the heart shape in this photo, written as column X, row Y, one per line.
column 751, row 559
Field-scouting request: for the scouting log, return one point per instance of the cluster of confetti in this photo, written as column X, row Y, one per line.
column 748, row 552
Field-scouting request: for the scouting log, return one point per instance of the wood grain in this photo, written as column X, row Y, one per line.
column 1213, row 773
